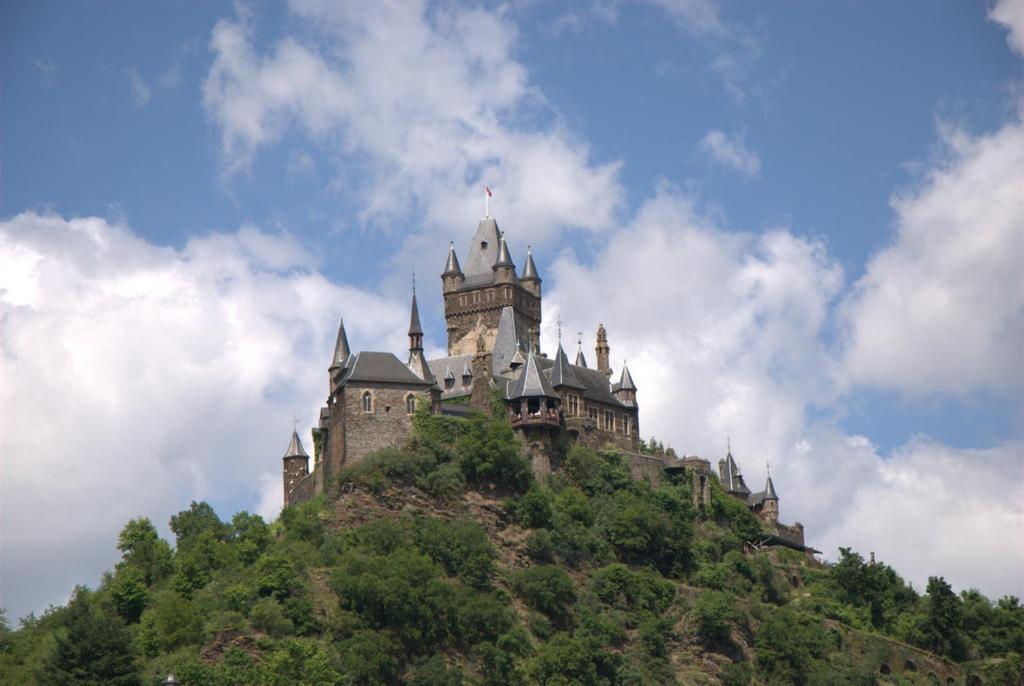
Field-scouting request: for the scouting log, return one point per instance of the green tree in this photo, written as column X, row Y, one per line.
column 129, row 592
column 94, row 649
column 547, row 589
column 199, row 518
column 143, row 549
column 943, row 626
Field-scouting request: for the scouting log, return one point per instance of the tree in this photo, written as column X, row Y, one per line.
column 547, row 589
column 93, row 650
column 188, row 524
column 943, row 626
column 144, row 550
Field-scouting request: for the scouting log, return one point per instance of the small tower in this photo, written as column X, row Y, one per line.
column 452, row 278
column 296, row 468
column 417, row 362
column 580, row 360
column 341, row 354
column 530, row 279
column 625, row 389
column 504, row 268
column 602, row 351
column 770, row 504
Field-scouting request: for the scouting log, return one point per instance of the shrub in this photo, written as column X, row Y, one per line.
column 534, row 508
column 488, row 452
column 617, row 585
column 540, row 545
column 713, row 612
column 547, row 589
column 434, row 671
column 369, row 657
column 387, row 466
column 446, row 482
column 303, row 522
column 461, row 547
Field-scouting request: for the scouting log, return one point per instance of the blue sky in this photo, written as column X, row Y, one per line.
column 772, row 205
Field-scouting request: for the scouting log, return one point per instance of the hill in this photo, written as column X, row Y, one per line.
column 447, row 562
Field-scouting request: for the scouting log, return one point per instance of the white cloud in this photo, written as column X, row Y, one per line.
column 140, row 90
column 942, row 308
column 137, row 378
column 421, row 114
column 1010, row 13
column 730, row 151
column 725, row 335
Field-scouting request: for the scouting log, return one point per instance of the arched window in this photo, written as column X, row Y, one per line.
column 367, row 402
column 410, row 404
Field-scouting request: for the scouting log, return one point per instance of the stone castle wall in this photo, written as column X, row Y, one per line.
column 388, row 424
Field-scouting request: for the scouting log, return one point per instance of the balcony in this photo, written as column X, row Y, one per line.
column 544, row 418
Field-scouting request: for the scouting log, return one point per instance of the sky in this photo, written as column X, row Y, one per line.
column 802, row 224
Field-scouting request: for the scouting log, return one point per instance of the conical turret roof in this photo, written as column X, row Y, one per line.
column 414, row 319
column 484, row 248
column 561, row 372
column 341, row 350
column 504, row 258
column 769, row 490
column 530, row 270
column 626, row 380
column 532, row 382
column 452, row 267
column 580, row 360
column 295, row 448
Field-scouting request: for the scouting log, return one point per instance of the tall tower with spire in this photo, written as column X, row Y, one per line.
column 474, row 295
column 417, row 361
column 602, row 350
column 296, row 469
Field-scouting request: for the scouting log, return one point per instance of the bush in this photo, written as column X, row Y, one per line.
column 533, row 510
column 713, row 612
column 547, row 589
column 489, row 452
column 540, row 545
column 369, row 657
column 434, row 672
column 573, row 660
column 446, row 482
column 461, row 547
column 303, row 522
column 617, row 585
column 379, row 470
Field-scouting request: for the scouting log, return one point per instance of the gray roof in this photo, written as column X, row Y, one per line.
column 483, row 250
column 596, row 386
column 341, row 349
column 295, row 448
column 418, row 366
column 414, row 318
column 504, row 258
column 530, row 270
column 517, row 359
column 769, row 489
column 580, row 360
column 729, row 472
column 443, row 365
column 452, row 265
column 626, row 380
column 506, row 341
column 532, row 382
column 377, row 367
column 561, row 372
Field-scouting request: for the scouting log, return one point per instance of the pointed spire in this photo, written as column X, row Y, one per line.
column 581, row 361
column 451, row 267
column 295, row 448
column 504, row 258
column 341, row 350
column 531, row 382
column 414, row 318
column 530, row 271
column 561, row 371
column 769, row 490
column 626, row 380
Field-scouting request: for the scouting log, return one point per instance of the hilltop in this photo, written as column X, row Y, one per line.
column 447, row 562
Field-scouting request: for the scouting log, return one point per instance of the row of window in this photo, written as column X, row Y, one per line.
column 491, row 295
column 607, row 417
column 368, row 402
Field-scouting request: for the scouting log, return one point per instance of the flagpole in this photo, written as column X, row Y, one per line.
column 487, row 203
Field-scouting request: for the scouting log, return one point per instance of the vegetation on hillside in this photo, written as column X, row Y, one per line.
column 461, row 568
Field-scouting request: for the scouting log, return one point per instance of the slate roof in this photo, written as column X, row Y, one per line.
column 506, row 341
column 730, row 474
column 452, row 265
column 594, row 383
column 530, row 270
column 504, row 258
column 532, row 382
column 377, row 367
column 580, row 360
column 626, row 380
column 414, row 318
column 483, row 250
column 562, row 373
column 341, row 349
column 442, row 365
column 295, row 448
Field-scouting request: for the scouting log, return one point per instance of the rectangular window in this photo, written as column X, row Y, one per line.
column 609, row 420
column 626, row 424
column 574, row 406
column 592, row 413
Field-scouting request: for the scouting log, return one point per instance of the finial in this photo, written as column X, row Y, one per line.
column 579, row 338
column 768, row 466
column 295, row 424
column 728, row 448
column 414, row 282
column 559, row 322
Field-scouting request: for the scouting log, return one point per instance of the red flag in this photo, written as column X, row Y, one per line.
column 489, row 194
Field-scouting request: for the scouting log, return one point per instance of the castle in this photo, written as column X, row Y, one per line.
column 493, row 316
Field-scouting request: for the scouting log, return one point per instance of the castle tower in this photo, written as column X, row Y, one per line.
column 770, row 504
column 530, row 279
column 602, row 351
column 342, row 352
column 417, row 361
column 625, row 389
column 475, row 296
column 452, row 278
column 296, row 468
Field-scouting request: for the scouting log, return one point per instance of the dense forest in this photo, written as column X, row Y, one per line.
column 447, row 562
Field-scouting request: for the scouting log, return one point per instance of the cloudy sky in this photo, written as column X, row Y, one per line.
column 802, row 224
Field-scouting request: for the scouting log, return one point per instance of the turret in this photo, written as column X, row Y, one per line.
column 602, row 351
column 625, row 389
column 530, row 279
column 341, row 355
column 417, row 361
column 296, row 467
column 504, row 269
column 580, row 360
column 452, row 278
column 770, row 504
